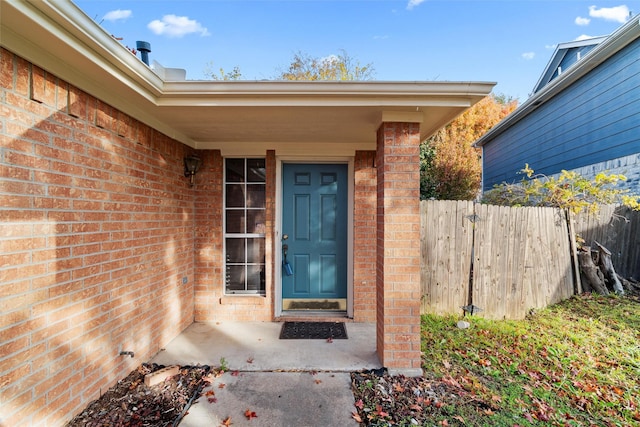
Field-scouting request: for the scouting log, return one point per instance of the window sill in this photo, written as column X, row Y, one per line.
column 243, row 300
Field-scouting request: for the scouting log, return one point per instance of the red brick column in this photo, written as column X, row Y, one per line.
column 269, row 244
column 209, row 261
column 364, row 245
column 398, row 250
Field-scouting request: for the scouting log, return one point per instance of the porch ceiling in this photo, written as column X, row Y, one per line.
column 307, row 112
column 60, row 38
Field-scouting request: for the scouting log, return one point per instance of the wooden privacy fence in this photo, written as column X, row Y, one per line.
column 508, row 261
column 504, row 260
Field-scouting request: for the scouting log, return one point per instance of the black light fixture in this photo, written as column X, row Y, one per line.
column 191, row 166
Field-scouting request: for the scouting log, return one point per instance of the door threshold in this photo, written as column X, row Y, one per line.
column 313, row 316
column 327, row 305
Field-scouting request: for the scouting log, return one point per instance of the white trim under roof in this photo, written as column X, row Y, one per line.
column 61, row 39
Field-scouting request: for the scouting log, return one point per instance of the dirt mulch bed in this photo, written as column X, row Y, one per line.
column 384, row 400
column 132, row 404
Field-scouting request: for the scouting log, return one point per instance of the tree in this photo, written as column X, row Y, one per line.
column 234, row 74
column 449, row 165
column 569, row 190
column 340, row 67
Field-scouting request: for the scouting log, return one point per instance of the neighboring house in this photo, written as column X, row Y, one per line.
column 584, row 115
column 106, row 246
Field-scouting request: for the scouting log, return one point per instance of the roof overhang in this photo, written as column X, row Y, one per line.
column 58, row 37
column 626, row 34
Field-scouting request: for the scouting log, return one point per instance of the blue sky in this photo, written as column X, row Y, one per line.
column 505, row 41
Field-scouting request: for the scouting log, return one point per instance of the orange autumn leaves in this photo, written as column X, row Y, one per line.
column 450, row 167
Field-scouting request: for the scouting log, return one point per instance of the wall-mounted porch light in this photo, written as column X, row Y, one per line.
column 191, row 166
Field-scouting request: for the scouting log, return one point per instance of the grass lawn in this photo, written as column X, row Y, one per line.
column 576, row 363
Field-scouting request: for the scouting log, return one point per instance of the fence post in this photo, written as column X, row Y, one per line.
column 577, row 283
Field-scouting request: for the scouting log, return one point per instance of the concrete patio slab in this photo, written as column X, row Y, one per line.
column 278, row 399
column 257, row 347
column 299, row 382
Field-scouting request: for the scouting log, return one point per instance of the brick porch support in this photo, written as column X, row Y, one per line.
column 398, row 249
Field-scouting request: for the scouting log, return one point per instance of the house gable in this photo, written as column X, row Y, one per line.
column 585, row 119
column 565, row 55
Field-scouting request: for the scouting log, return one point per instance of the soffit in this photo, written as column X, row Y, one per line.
column 60, row 38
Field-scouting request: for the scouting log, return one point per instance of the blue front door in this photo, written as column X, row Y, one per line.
column 314, row 220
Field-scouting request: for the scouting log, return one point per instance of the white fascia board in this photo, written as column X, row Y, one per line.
column 310, row 102
column 326, row 88
column 583, row 42
column 345, row 94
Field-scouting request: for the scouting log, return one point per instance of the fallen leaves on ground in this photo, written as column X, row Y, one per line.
column 382, row 399
column 250, row 414
column 573, row 364
column 131, row 403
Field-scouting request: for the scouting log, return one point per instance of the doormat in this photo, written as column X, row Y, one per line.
column 314, row 305
column 313, row 330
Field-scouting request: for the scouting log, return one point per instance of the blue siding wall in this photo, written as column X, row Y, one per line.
column 594, row 120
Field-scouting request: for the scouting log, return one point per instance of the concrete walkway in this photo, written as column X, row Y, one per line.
column 285, row 382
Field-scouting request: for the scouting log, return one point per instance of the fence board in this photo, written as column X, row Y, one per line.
column 521, row 258
column 446, row 255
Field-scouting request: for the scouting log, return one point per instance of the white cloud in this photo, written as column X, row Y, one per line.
column 582, row 21
column 117, row 15
column 550, row 46
column 618, row 13
column 414, row 3
column 528, row 55
column 177, row 26
column 583, row 37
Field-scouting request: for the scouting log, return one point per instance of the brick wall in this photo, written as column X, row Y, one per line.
column 210, row 302
column 96, row 236
column 398, row 248
column 364, row 245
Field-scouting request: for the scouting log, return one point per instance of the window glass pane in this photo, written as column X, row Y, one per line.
column 235, row 196
column 235, row 278
column 234, row 170
column 235, row 221
column 255, row 251
column 245, row 201
column 255, row 195
column 255, row 221
column 255, row 277
column 256, row 170
column 235, row 250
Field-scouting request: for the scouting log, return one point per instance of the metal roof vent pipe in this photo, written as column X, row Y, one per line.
column 144, row 48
